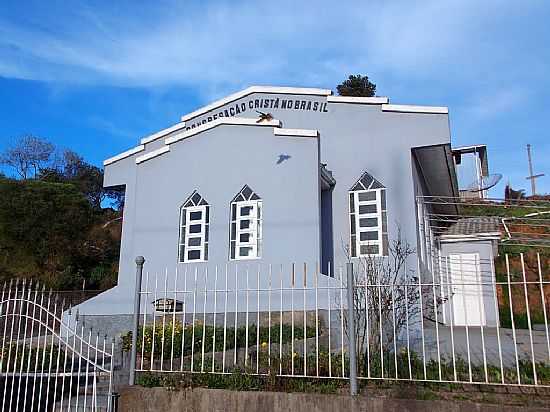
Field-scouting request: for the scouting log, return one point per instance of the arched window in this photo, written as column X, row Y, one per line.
column 245, row 241
column 368, row 219
column 194, row 224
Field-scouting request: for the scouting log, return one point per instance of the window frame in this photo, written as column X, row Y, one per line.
column 185, row 234
column 255, row 229
column 355, row 218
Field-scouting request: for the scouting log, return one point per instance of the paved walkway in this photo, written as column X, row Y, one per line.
column 476, row 339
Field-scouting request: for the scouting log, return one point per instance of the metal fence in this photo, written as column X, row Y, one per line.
column 519, row 222
column 49, row 360
column 465, row 321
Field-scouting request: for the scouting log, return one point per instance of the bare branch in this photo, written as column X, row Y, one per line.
column 27, row 156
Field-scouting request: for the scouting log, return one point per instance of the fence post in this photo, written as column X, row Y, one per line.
column 351, row 334
column 114, row 402
column 140, row 260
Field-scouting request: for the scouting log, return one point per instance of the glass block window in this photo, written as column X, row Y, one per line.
column 194, row 225
column 368, row 218
column 245, row 240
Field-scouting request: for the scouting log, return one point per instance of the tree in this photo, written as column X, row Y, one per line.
column 117, row 196
column 50, row 231
column 28, row 155
column 72, row 168
column 44, row 226
column 88, row 178
column 358, row 86
column 52, row 225
column 387, row 302
column 377, row 308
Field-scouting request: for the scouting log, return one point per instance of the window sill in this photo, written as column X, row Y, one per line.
column 244, row 258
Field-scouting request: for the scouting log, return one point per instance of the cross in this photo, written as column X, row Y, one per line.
column 531, row 176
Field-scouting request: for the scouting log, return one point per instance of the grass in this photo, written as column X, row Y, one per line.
column 238, row 380
column 402, row 366
column 520, row 318
column 492, row 374
column 504, row 210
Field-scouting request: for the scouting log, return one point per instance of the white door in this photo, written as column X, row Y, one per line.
column 467, row 298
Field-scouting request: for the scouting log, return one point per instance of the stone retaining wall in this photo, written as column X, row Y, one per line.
column 134, row 399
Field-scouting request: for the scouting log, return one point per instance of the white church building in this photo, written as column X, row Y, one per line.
column 282, row 175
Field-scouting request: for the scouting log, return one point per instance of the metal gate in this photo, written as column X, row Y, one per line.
column 49, row 359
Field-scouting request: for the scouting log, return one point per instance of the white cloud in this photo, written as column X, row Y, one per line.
column 485, row 59
column 227, row 45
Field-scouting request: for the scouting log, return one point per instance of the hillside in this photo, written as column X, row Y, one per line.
column 523, row 255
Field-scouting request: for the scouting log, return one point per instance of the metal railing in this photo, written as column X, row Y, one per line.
column 464, row 321
column 520, row 222
column 50, row 361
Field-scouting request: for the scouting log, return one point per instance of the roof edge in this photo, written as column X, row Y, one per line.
column 124, row 155
column 163, row 132
column 406, row 108
column 256, row 89
column 473, row 236
column 358, row 99
column 152, row 154
column 295, row 132
column 238, row 121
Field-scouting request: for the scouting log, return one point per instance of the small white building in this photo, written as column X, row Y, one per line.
column 468, row 249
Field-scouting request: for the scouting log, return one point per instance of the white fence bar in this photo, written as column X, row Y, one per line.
column 460, row 323
column 49, row 361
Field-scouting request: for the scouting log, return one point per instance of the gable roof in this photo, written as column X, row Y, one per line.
column 303, row 91
column 256, row 89
column 367, row 182
column 195, row 199
column 173, row 132
column 246, row 193
column 480, row 227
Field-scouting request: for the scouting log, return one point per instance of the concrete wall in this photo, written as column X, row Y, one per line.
column 354, row 138
column 218, row 163
column 136, row 399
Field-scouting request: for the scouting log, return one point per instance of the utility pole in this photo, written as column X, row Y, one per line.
column 531, row 176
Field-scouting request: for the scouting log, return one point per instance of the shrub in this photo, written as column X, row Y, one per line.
column 174, row 340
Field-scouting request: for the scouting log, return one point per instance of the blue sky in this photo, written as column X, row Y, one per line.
column 95, row 77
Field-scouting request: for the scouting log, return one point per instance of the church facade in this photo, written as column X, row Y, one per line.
column 275, row 176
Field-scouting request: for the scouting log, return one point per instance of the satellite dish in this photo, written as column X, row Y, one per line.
column 485, row 183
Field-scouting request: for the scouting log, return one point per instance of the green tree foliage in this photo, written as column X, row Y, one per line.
column 50, row 231
column 357, row 86
column 86, row 177
column 52, row 224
